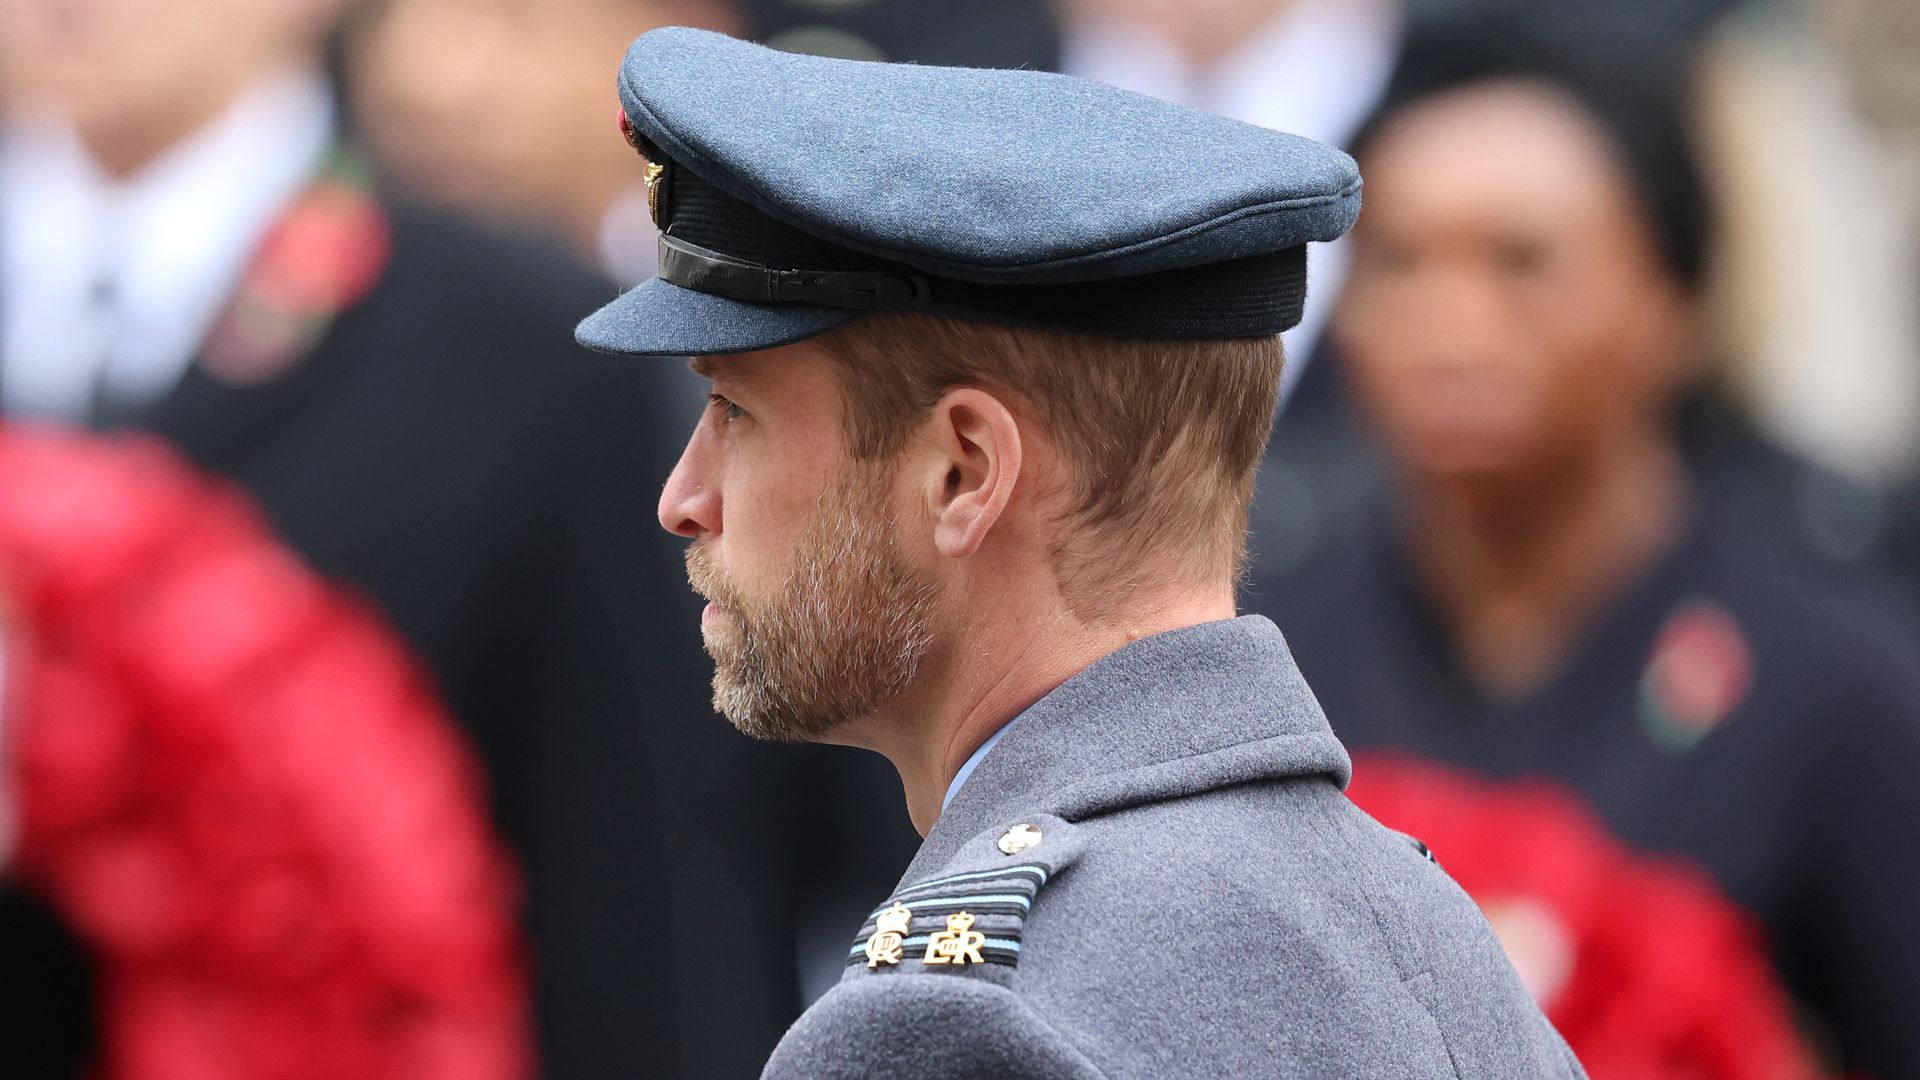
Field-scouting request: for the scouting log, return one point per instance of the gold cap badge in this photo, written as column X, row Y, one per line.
column 655, row 175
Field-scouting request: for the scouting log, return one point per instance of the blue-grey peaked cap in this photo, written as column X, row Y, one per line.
column 799, row 192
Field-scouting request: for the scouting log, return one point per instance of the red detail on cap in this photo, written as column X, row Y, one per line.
column 627, row 132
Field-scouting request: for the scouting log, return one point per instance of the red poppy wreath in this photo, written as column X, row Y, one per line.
column 1645, row 968
column 235, row 786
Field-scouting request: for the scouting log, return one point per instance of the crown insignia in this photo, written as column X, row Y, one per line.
column 894, row 920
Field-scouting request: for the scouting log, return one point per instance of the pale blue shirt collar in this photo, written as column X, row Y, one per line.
column 966, row 770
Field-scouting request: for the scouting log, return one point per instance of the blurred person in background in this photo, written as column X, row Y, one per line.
column 1555, row 586
column 498, row 106
column 1815, row 102
column 191, row 246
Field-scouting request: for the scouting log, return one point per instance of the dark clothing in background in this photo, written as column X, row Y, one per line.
column 984, row 33
column 1798, row 798
column 447, row 450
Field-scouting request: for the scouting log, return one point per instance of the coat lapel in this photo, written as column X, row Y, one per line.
column 224, row 426
column 275, row 348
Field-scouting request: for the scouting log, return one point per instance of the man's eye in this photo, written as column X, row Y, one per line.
column 727, row 408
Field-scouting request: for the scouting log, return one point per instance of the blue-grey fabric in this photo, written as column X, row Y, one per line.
column 1001, row 178
column 1204, row 901
column 662, row 319
column 980, row 175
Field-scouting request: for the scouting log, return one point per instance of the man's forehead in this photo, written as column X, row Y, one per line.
column 731, row 367
column 763, row 366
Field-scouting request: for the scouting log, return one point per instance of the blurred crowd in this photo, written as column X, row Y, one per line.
column 1596, row 462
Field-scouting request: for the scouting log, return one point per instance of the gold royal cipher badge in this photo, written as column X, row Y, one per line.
column 889, row 934
column 959, row 943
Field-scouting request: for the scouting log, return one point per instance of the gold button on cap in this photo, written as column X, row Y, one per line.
column 1019, row 838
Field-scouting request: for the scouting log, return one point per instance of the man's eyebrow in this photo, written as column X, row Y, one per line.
column 716, row 370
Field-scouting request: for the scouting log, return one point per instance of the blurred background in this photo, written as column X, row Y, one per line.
column 353, row 721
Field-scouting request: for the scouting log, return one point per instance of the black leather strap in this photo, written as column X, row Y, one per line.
column 691, row 266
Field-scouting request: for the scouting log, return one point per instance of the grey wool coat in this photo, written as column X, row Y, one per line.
column 1191, row 895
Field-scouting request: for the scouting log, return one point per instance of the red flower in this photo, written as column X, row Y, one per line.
column 324, row 254
column 1644, row 967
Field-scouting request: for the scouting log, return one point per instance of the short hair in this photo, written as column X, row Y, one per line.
column 1162, row 437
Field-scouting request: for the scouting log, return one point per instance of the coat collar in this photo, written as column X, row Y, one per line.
column 1174, row 714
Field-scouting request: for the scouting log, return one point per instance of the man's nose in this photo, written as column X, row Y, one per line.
column 690, row 503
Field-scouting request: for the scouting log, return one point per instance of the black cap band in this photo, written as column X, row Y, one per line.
column 691, row 266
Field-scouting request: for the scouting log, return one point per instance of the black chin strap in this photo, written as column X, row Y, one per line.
column 691, row 266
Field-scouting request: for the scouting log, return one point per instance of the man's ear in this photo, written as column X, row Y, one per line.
column 974, row 463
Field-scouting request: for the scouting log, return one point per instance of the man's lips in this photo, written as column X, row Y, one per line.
column 711, row 614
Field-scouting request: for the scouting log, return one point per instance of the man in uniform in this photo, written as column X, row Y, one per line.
column 993, row 358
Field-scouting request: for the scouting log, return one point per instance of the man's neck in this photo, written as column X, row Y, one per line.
column 996, row 667
column 1517, row 569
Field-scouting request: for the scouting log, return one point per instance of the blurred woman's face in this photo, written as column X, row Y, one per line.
column 1507, row 312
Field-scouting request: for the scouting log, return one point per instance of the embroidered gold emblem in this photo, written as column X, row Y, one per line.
column 655, row 175
column 959, row 943
column 889, row 934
